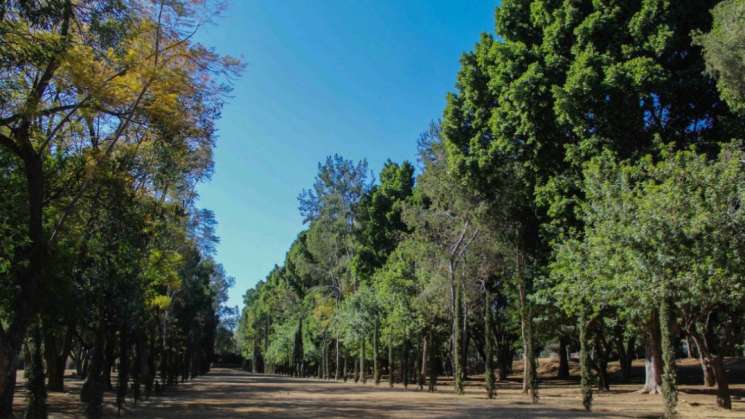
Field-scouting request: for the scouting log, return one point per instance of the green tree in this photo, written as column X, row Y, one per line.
column 724, row 52
column 74, row 98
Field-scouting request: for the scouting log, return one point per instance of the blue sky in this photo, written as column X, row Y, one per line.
column 361, row 78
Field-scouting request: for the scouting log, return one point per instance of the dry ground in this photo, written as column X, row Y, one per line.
column 235, row 393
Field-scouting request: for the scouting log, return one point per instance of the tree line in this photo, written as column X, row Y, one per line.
column 107, row 113
column 582, row 192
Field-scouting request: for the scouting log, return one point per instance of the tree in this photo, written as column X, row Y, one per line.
column 724, row 53
column 74, row 97
column 447, row 217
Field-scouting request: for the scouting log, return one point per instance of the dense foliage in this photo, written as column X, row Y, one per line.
column 581, row 193
column 107, row 112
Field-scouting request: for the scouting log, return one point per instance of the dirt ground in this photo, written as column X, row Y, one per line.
column 234, row 393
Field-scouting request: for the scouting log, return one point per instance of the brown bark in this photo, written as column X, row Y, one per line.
column 563, row 358
column 423, row 371
column 601, row 362
column 723, row 394
column 6, row 397
column 626, row 356
column 709, row 376
column 652, row 358
column 56, row 358
column 716, row 364
column 28, row 278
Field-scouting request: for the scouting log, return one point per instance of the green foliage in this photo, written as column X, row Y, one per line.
column 725, row 53
column 107, row 124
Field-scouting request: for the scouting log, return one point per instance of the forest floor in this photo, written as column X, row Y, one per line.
column 235, row 393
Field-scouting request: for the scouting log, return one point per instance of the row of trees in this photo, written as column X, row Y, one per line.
column 107, row 112
column 580, row 193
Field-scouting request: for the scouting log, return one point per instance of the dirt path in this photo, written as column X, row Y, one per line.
column 232, row 393
column 235, row 393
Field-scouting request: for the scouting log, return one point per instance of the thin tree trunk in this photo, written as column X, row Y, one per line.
column 54, row 375
column 458, row 332
column 489, row 379
column 376, row 364
column 530, row 379
column 626, row 356
column 363, row 376
column 433, row 369
column 138, row 366
column 706, row 368
column 391, row 378
column 345, row 370
column 336, row 372
column 423, row 370
column 356, row 374
column 123, row 378
column 405, row 364
column 417, row 364
column 36, row 408
column 465, row 339
column 669, row 389
column 584, row 362
column 563, row 358
column 689, row 348
column 92, row 392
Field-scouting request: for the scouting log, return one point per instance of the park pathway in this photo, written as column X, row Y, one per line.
column 235, row 393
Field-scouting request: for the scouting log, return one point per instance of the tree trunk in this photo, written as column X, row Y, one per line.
column 363, row 376
column 108, row 362
column 28, row 279
column 121, row 391
column 376, row 364
column 626, row 356
column 322, row 360
column 423, row 370
column 530, row 378
column 345, row 371
column 669, row 389
column 457, row 332
column 601, row 361
column 433, row 366
column 356, row 374
column 336, row 370
column 54, row 375
column 6, row 398
column 328, row 361
column 36, row 407
column 652, row 358
column 706, row 367
column 584, row 362
column 465, row 339
column 489, row 379
column 715, row 362
column 417, row 364
column 391, row 379
column 723, row 394
column 92, row 392
column 405, row 364
column 297, row 350
column 563, row 358
column 138, row 366
column 689, row 348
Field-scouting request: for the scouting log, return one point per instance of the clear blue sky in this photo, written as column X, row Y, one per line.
column 360, row 78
